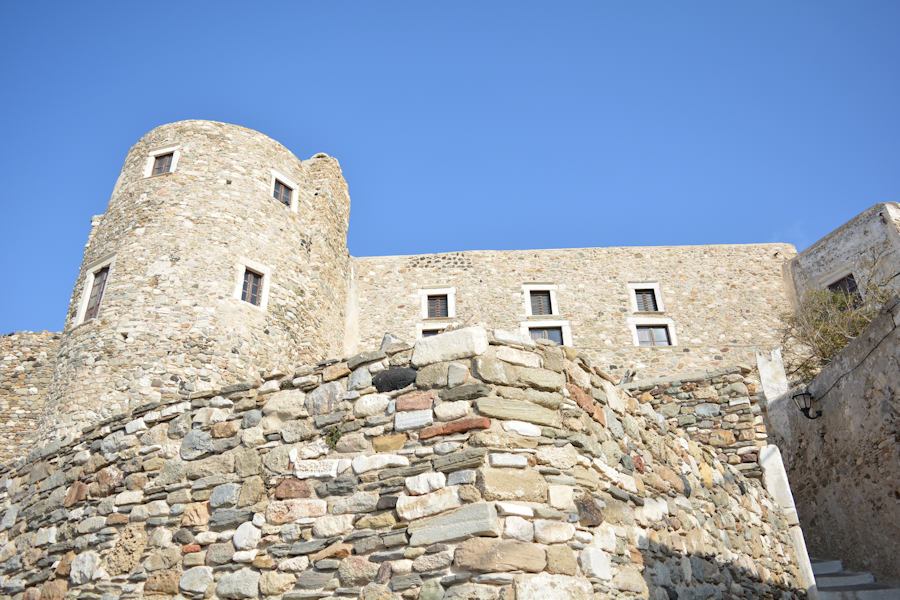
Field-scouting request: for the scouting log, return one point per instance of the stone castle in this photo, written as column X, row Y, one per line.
column 562, row 423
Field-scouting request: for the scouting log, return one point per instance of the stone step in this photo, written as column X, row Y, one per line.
column 868, row 591
column 843, row 579
column 826, row 567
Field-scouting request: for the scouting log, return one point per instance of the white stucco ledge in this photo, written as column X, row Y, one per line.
column 459, row 343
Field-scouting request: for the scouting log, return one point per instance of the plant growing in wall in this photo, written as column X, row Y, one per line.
column 825, row 321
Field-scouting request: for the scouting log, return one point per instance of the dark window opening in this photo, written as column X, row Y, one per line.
column 97, row 289
column 653, row 335
column 554, row 334
column 430, row 332
column 252, row 290
column 438, row 307
column 848, row 287
column 283, row 192
column 646, row 300
column 540, row 302
column 162, row 163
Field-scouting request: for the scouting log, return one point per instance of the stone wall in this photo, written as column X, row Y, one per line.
column 26, row 367
column 844, row 467
column 722, row 409
column 469, row 466
column 179, row 242
column 852, row 248
column 724, row 300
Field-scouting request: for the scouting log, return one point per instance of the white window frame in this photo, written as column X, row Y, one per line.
column 645, row 285
column 450, row 292
column 633, row 323
column 433, row 325
column 88, row 284
column 260, row 268
column 525, row 326
column 527, row 288
column 295, row 189
column 176, row 154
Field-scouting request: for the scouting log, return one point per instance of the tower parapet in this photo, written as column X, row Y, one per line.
column 221, row 257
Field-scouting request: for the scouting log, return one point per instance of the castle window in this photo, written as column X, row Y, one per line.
column 283, row 193
column 437, row 303
column 252, row 282
column 284, row 189
column 646, row 300
column 645, row 297
column 252, row 290
column 540, row 303
column 847, row 286
column 161, row 161
column 653, row 335
column 554, row 334
column 540, row 299
column 97, row 288
column 430, row 332
column 437, row 306
column 95, row 280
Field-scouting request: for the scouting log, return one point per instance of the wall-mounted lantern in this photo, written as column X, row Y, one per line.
column 804, row 401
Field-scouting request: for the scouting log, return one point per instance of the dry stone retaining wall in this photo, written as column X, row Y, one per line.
column 469, row 466
column 723, row 409
column 26, row 368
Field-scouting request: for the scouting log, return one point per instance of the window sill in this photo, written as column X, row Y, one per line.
column 151, row 176
column 544, row 317
column 648, row 313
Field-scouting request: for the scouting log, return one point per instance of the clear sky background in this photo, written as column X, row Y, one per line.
column 462, row 125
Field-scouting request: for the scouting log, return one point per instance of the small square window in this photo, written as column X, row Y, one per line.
column 554, row 334
column 438, row 306
column 97, row 288
column 283, row 192
column 162, row 163
column 653, row 335
column 252, row 289
column 541, row 303
column 646, row 300
column 847, row 286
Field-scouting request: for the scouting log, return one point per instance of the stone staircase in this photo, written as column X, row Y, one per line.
column 834, row 583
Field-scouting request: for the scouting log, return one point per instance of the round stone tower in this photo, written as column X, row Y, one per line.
column 221, row 256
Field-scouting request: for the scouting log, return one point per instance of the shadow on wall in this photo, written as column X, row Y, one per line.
column 673, row 575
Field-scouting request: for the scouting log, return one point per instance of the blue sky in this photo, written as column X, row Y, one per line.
column 462, row 125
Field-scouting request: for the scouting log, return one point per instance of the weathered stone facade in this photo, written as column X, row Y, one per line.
column 26, row 368
column 723, row 301
column 469, row 466
column 866, row 246
column 722, row 409
column 169, row 319
column 844, row 467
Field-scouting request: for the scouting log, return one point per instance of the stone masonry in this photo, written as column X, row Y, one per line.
column 26, row 368
column 723, row 409
column 471, row 465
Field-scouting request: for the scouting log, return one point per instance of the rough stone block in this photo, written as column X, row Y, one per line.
column 460, row 343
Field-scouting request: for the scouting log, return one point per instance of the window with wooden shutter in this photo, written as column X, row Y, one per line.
column 162, row 163
column 646, row 300
column 554, row 334
column 540, row 302
column 97, row 288
column 283, row 192
column 252, row 290
column 653, row 335
column 438, row 307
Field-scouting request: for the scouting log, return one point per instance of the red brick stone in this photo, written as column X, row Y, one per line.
column 190, row 548
column 77, row 492
column 293, row 488
column 420, row 400
column 457, row 426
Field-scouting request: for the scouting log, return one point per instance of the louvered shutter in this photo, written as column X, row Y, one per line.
column 97, row 288
column 646, row 300
column 438, row 307
column 540, row 302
